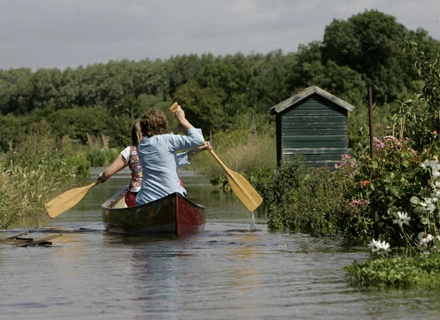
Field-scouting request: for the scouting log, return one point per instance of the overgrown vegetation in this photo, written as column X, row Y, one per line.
column 389, row 197
column 389, row 200
column 36, row 170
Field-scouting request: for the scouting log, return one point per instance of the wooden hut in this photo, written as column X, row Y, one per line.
column 314, row 124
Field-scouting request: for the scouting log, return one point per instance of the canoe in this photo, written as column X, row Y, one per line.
column 171, row 215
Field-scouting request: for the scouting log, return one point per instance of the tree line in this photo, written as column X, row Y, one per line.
column 366, row 50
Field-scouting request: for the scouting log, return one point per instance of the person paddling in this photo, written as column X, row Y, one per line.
column 159, row 157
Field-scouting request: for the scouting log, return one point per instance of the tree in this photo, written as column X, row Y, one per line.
column 203, row 106
column 46, row 88
column 371, row 43
column 16, row 91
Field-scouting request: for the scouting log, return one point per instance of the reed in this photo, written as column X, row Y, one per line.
column 37, row 169
column 239, row 152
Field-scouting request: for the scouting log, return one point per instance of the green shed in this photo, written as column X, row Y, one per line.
column 314, row 124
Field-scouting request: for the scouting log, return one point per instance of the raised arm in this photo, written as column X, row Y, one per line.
column 180, row 116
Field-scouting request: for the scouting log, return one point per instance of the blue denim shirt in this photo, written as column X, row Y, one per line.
column 160, row 161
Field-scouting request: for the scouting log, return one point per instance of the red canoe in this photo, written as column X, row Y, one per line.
column 173, row 214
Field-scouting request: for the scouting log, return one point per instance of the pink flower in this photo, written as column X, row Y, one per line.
column 356, row 202
column 378, row 143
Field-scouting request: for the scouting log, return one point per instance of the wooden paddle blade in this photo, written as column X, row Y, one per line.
column 174, row 107
column 66, row 200
column 244, row 191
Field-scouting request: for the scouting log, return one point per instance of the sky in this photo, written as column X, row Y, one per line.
column 69, row 33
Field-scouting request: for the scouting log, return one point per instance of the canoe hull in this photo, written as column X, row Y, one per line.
column 173, row 214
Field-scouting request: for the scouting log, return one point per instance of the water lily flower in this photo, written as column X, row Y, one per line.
column 403, row 218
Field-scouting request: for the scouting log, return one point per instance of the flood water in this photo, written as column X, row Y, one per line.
column 236, row 269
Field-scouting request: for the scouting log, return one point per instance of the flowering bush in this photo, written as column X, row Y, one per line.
column 405, row 189
column 395, row 196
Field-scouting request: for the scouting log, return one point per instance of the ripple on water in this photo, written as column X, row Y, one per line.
column 228, row 272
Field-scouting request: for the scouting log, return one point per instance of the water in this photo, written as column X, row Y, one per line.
column 236, row 269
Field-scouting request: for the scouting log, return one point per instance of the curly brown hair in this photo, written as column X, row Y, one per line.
column 153, row 122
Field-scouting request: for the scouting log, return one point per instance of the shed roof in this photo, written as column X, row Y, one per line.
column 295, row 99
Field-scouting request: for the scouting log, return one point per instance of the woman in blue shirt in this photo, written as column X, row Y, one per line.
column 158, row 154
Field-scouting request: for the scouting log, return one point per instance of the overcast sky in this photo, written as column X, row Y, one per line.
column 62, row 33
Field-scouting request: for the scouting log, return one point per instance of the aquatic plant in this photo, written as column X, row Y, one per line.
column 422, row 272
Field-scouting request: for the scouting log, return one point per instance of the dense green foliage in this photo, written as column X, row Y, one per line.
column 400, row 272
column 103, row 99
column 301, row 200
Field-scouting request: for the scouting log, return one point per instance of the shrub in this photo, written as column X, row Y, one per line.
column 306, row 200
column 101, row 158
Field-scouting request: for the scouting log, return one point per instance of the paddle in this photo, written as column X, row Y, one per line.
column 66, row 200
column 174, row 107
column 241, row 187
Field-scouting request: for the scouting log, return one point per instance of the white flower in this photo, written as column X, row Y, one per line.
column 373, row 245
column 379, row 247
column 427, row 205
column 424, row 238
column 435, row 174
column 402, row 218
column 430, row 163
column 435, row 194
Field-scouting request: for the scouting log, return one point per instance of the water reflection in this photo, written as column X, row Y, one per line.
column 227, row 272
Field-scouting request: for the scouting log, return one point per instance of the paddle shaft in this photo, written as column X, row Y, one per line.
column 219, row 161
